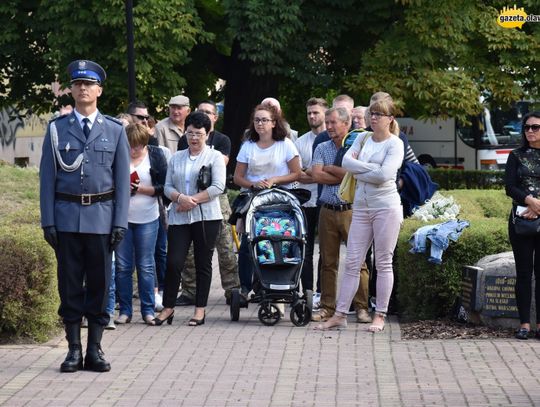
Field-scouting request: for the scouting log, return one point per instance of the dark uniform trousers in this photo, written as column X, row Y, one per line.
column 84, row 274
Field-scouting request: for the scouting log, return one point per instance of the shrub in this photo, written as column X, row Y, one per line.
column 28, row 286
column 467, row 179
column 427, row 290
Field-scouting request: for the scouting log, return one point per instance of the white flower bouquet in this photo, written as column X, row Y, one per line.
column 438, row 207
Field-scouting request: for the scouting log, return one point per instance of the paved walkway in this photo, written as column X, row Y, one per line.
column 224, row 363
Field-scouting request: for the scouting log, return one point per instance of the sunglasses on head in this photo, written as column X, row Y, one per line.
column 533, row 127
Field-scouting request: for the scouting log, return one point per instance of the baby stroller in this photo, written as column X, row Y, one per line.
column 276, row 233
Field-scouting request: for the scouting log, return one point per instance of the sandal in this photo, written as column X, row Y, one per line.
column 378, row 322
column 197, row 322
column 336, row 322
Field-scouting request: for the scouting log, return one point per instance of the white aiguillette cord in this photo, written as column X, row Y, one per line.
column 58, row 157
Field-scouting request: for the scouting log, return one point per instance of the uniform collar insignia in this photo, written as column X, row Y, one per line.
column 99, row 120
column 71, row 121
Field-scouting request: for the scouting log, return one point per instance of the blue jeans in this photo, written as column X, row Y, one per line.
column 137, row 249
column 111, row 301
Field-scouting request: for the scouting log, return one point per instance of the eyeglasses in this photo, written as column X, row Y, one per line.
column 262, row 120
column 141, row 117
column 378, row 115
column 137, row 148
column 194, row 135
column 532, row 127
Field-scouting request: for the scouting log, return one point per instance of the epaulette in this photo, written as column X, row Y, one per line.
column 52, row 119
column 113, row 119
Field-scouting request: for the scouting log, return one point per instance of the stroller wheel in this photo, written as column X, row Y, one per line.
column 300, row 313
column 235, row 304
column 269, row 314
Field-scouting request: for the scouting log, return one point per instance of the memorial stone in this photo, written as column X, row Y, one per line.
column 487, row 291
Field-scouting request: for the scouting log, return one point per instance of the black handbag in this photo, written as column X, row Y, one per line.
column 204, row 179
column 525, row 227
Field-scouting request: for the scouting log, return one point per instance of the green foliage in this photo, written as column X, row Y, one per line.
column 435, row 58
column 28, row 288
column 442, row 56
column 467, row 179
column 44, row 36
column 427, row 290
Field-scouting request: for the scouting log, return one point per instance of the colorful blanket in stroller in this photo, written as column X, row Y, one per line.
column 276, row 224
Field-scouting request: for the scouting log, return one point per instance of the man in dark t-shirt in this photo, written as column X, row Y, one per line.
column 228, row 265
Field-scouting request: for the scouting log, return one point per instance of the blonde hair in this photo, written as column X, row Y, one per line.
column 137, row 134
column 385, row 105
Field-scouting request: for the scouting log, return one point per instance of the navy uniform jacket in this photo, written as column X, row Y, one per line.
column 105, row 167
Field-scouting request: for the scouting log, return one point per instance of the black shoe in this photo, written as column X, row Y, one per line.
column 94, row 359
column 184, row 300
column 522, row 333
column 537, row 334
column 243, row 301
column 169, row 319
column 73, row 361
column 74, row 358
column 197, row 322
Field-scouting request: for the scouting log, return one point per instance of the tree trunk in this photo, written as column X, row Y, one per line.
column 243, row 91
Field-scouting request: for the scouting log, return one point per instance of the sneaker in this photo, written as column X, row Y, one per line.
column 363, row 317
column 84, row 322
column 158, row 302
column 122, row 319
column 111, row 326
column 281, row 308
column 316, row 301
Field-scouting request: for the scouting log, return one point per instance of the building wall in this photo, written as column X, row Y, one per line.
column 21, row 136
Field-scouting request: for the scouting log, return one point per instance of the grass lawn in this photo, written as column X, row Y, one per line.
column 20, row 189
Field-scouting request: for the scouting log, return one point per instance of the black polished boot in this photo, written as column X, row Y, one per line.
column 74, row 358
column 94, row 355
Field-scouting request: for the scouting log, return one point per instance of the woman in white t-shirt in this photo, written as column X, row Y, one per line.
column 148, row 168
column 266, row 158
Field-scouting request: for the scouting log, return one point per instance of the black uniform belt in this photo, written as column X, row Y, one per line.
column 338, row 208
column 86, row 199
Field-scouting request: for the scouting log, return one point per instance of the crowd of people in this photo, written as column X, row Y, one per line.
column 153, row 196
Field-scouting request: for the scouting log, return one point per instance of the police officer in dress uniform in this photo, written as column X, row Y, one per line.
column 84, row 198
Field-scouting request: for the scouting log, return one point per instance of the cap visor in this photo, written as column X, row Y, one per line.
column 85, row 80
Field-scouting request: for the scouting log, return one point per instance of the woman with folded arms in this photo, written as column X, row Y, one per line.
column 523, row 186
column 377, row 212
column 195, row 216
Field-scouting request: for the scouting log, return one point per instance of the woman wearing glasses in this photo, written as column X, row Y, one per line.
column 523, row 186
column 148, row 169
column 194, row 217
column 267, row 157
column 374, row 159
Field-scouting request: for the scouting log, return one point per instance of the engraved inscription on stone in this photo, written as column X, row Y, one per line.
column 500, row 299
column 468, row 288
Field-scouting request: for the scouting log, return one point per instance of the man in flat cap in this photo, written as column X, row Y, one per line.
column 84, row 198
column 169, row 130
